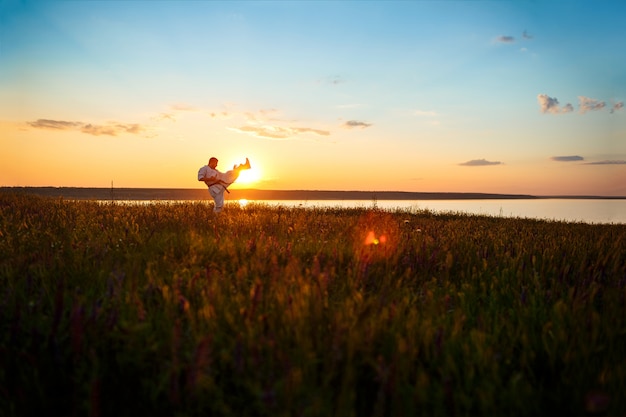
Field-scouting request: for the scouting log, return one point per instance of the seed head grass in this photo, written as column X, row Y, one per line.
column 166, row 309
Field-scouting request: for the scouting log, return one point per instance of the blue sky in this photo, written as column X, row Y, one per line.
column 476, row 96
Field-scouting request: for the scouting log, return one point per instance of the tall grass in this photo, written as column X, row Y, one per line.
column 166, row 309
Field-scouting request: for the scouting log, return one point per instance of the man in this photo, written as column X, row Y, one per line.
column 218, row 182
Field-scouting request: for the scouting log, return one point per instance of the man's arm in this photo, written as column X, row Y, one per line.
column 202, row 175
column 208, row 179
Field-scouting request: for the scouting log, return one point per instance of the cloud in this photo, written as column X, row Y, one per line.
column 184, row 107
column 112, row 129
column 430, row 116
column 109, row 129
column 590, row 104
column 278, row 132
column 350, row 124
column 220, row 115
column 332, row 80
column 227, row 112
column 261, row 115
column 505, row 39
column 511, row 39
column 349, row 106
column 480, row 163
column 551, row 105
column 174, row 111
column 607, row 162
column 267, row 124
column 164, row 117
column 569, row 158
column 54, row 124
column 337, row 79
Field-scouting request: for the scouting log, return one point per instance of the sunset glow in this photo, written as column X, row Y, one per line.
column 449, row 96
column 249, row 177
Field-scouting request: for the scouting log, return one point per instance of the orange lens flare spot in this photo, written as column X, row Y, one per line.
column 371, row 239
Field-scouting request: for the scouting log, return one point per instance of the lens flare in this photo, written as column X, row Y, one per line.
column 376, row 236
column 371, row 239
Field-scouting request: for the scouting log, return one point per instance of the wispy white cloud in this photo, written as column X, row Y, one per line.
column 551, row 105
column 170, row 117
column 174, row 111
column 569, row 158
column 227, row 112
column 277, row 132
column 184, row 107
column 479, row 163
column 220, row 115
column 589, row 104
column 262, row 115
column 349, row 106
column 264, row 123
column 430, row 116
column 268, row 124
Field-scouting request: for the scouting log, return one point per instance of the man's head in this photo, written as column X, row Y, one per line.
column 213, row 162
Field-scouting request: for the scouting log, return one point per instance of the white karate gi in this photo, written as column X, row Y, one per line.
column 217, row 187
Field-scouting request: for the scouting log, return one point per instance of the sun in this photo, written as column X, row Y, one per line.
column 249, row 176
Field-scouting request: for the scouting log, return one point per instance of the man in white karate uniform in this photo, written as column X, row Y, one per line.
column 218, row 182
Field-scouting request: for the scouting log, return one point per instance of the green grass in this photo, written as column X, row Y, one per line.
column 166, row 310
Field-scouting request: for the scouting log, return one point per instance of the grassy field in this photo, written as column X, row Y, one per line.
column 166, row 310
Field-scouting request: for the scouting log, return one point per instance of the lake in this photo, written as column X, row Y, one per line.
column 570, row 210
column 582, row 209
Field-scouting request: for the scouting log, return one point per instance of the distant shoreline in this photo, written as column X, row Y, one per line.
column 116, row 194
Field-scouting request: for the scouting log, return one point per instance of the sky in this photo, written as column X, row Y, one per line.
column 520, row 97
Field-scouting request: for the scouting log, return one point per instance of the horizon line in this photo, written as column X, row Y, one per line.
column 458, row 194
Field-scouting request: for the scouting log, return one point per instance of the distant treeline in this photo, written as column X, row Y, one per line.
column 79, row 193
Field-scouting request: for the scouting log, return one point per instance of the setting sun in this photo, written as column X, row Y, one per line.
column 250, row 176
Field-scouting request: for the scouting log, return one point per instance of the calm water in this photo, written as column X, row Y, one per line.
column 568, row 210
column 574, row 210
